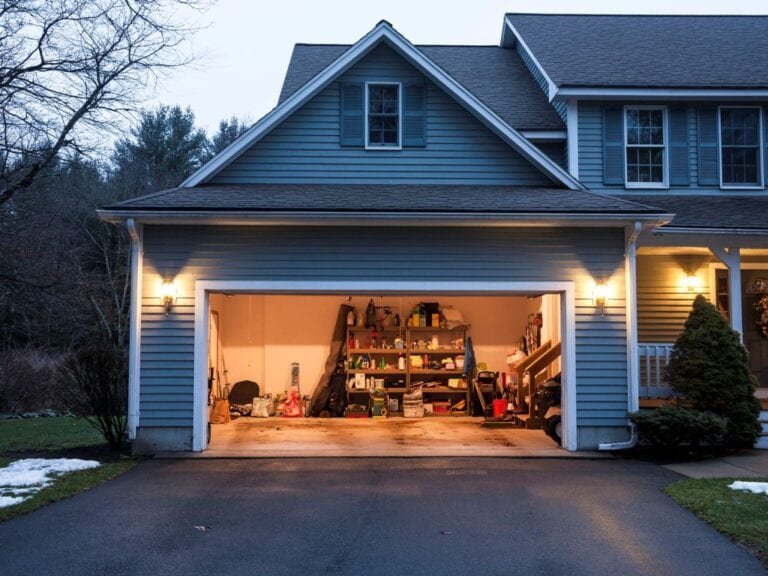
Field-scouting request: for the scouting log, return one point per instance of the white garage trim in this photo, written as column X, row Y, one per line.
column 203, row 288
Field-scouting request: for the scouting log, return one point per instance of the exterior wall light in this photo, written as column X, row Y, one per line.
column 168, row 292
column 600, row 295
column 692, row 282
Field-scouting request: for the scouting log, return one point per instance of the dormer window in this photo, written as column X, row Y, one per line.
column 383, row 116
column 740, row 139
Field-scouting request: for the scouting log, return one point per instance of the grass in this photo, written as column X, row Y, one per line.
column 740, row 515
column 63, row 437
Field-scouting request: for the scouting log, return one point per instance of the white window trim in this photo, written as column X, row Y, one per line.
column 760, row 151
column 399, row 146
column 665, row 128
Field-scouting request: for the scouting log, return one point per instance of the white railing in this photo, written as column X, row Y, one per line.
column 653, row 358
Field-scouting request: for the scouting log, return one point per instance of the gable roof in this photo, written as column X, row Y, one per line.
column 646, row 51
column 496, row 76
column 293, row 201
column 383, row 32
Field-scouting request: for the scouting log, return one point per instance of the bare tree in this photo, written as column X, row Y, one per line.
column 70, row 68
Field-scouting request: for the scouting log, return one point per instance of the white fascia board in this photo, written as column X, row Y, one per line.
column 545, row 135
column 384, row 32
column 659, row 94
column 383, row 218
column 551, row 86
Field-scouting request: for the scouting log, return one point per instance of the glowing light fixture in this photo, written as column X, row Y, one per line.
column 692, row 282
column 600, row 295
column 168, row 292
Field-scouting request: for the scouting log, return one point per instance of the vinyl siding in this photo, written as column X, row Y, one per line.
column 591, row 149
column 305, row 147
column 284, row 253
column 663, row 301
column 556, row 151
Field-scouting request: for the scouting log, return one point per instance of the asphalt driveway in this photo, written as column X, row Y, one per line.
column 373, row 516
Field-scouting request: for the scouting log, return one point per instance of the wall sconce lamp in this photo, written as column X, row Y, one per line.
column 692, row 282
column 168, row 294
column 600, row 295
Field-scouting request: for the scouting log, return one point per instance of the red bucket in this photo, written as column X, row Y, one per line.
column 499, row 408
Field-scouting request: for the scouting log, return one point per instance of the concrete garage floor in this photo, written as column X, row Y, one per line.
column 400, row 437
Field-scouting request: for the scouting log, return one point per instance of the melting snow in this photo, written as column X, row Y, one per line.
column 754, row 487
column 24, row 478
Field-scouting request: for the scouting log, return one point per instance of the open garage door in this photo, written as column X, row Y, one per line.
column 279, row 338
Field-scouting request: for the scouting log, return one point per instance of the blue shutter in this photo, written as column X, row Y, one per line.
column 678, row 147
column 415, row 115
column 765, row 147
column 351, row 125
column 613, row 145
column 709, row 169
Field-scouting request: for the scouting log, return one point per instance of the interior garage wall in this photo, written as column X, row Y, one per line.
column 262, row 335
column 191, row 253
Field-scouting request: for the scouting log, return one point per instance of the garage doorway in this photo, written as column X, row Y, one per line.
column 264, row 328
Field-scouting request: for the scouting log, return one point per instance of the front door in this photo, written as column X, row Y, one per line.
column 755, row 340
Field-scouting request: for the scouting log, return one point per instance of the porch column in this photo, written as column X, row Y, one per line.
column 731, row 257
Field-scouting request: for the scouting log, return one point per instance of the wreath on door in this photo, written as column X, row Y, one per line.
column 759, row 288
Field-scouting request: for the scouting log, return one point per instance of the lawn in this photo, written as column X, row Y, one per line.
column 740, row 515
column 63, row 437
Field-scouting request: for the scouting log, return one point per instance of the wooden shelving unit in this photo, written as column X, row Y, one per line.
column 396, row 381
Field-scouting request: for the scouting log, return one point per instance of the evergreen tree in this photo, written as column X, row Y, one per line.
column 710, row 369
column 229, row 131
column 162, row 150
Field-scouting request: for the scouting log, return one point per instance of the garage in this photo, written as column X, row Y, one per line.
column 396, row 357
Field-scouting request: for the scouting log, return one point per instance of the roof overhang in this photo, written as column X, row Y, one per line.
column 361, row 218
column 509, row 37
column 670, row 236
column 384, row 32
column 597, row 93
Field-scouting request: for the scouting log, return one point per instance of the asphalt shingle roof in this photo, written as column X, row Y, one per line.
column 745, row 212
column 382, row 198
column 496, row 76
column 649, row 51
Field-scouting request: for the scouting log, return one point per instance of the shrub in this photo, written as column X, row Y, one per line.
column 28, row 380
column 708, row 367
column 675, row 427
column 94, row 383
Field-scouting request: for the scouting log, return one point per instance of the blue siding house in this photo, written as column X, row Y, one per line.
column 626, row 155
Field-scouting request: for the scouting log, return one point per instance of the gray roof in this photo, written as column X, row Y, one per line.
column 649, row 51
column 496, row 76
column 714, row 212
column 402, row 198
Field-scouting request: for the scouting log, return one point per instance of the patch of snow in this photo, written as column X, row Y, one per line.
column 11, row 500
column 754, row 487
column 31, row 475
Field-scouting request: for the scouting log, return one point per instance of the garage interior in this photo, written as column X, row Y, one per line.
column 421, row 372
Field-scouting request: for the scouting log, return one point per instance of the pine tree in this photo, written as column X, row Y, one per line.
column 710, row 369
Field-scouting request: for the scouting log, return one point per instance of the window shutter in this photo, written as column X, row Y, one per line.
column 709, row 169
column 613, row 145
column 765, row 146
column 415, row 115
column 351, row 125
column 678, row 147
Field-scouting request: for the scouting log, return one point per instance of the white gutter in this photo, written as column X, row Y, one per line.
column 309, row 218
column 719, row 231
column 633, row 372
column 660, row 93
column 134, row 341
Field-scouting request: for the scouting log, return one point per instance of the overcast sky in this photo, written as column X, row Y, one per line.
column 246, row 44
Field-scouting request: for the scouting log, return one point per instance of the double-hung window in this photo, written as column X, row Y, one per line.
column 383, row 116
column 740, row 146
column 645, row 146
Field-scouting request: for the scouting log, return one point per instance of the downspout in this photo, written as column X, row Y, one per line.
column 633, row 376
column 134, row 342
